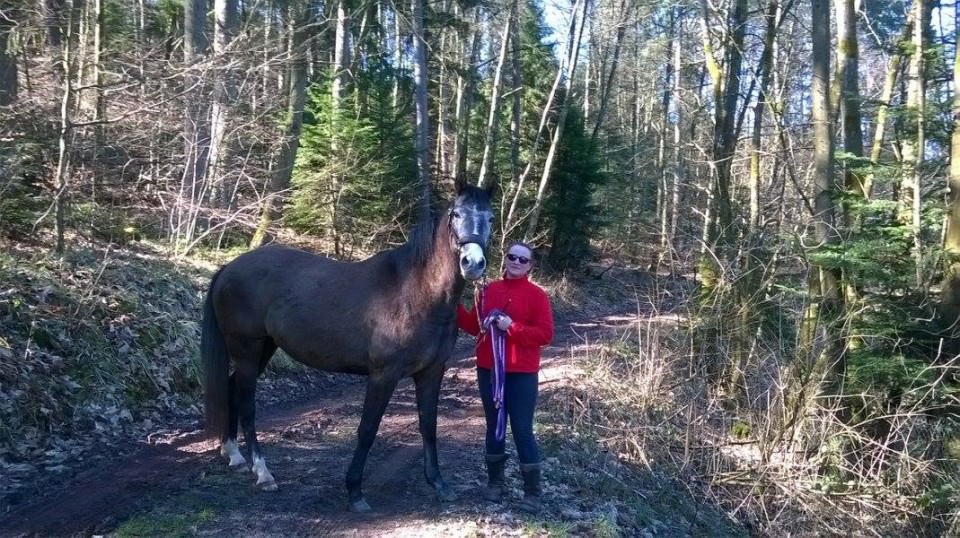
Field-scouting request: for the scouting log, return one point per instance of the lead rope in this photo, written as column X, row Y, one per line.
column 498, row 339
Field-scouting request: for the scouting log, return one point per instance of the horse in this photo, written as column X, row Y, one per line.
column 387, row 317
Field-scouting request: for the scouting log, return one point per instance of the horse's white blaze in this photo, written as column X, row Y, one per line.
column 264, row 478
column 476, row 262
column 232, row 451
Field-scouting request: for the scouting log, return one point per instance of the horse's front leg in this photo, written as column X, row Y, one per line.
column 428, row 394
column 379, row 389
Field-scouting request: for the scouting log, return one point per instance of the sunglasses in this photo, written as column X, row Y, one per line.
column 519, row 259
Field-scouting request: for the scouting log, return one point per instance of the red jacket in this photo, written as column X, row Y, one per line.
column 529, row 308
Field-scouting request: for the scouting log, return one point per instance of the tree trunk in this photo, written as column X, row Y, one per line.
column 283, row 170
column 625, row 14
column 508, row 223
column 422, row 126
column 848, row 67
column 725, row 138
column 52, row 11
column 62, row 175
column 193, row 188
column 9, row 85
column 341, row 64
column 766, row 74
column 516, row 87
column 823, row 362
column 677, row 166
column 913, row 143
column 571, row 65
column 100, row 101
column 950, row 298
column 466, row 84
column 341, row 56
column 886, row 96
column 446, row 133
column 670, row 86
column 490, row 140
column 224, row 96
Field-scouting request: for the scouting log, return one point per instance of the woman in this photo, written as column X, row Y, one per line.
column 514, row 314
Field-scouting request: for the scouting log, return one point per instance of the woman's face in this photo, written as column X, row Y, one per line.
column 519, row 261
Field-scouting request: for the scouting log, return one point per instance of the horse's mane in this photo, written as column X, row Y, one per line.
column 420, row 243
column 422, row 239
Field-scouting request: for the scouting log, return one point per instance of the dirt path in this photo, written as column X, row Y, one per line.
column 175, row 484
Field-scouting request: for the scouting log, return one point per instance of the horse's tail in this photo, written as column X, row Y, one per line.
column 216, row 369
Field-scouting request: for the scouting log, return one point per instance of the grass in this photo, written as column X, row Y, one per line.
column 167, row 524
column 94, row 336
column 645, row 440
column 644, row 416
column 176, row 516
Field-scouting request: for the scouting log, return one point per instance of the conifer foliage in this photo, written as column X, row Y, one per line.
column 355, row 172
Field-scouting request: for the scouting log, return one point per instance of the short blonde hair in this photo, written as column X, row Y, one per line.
column 533, row 253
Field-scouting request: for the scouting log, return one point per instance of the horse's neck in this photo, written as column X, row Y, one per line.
column 437, row 275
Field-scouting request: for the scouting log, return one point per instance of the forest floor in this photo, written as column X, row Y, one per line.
column 170, row 481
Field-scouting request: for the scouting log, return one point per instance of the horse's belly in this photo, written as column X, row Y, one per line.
column 325, row 351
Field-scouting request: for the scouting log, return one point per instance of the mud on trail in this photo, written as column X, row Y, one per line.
column 174, row 483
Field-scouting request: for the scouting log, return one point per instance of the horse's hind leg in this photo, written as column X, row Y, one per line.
column 228, row 446
column 249, row 363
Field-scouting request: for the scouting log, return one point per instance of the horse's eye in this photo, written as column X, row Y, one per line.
column 491, row 220
column 456, row 215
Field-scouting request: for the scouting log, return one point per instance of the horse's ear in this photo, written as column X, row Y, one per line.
column 460, row 182
column 489, row 184
column 493, row 189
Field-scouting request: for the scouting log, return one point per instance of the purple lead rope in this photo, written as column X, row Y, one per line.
column 498, row 339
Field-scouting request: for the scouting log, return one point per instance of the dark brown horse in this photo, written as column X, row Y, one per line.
column 387, row 317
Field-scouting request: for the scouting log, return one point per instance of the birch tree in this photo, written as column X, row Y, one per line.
column 490, row 140
column 914, row 141
column 570, row 75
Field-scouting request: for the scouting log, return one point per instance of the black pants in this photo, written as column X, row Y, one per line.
column 520, row 401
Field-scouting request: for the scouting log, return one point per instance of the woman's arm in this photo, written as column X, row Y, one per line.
column 467, row 320
column 539, row 331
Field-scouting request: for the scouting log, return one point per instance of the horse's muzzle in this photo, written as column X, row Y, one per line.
column 473, row 263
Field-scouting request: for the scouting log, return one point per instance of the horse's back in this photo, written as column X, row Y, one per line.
column 339, row 316
column 250, row 285
column 312, row 307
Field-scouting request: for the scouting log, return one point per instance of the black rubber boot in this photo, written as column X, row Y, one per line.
column 532, row 492
column 496, row 482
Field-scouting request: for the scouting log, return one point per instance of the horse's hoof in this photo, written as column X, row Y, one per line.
column 270, row 485
column 360, row 506
column 446, row 494
column 238, row 467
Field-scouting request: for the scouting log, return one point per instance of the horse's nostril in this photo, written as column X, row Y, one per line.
column 482, row 264
column 464, row 262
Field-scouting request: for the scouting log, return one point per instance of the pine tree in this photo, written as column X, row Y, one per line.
column 373, row 162
column 571, row 213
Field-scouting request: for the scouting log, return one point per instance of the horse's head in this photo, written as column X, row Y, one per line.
column 471, row 219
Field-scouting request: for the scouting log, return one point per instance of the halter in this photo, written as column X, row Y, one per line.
column 469, row 238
